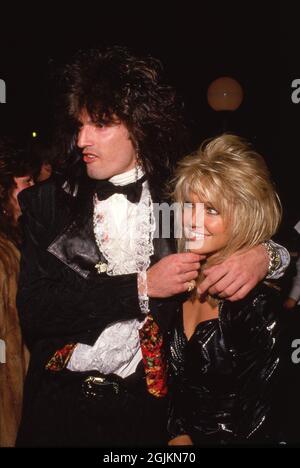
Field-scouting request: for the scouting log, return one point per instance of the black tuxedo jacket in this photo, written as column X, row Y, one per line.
column 61, row 298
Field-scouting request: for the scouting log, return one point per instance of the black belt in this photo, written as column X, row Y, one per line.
column 97, row 386
column 94, row 385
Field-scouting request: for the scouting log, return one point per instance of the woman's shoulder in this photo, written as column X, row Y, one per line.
column 264, row 290
column 263, row 300
column 253, row 322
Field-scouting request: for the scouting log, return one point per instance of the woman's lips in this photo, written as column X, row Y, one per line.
column 192, row 234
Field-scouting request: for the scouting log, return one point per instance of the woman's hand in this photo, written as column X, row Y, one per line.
column 289, row 303
column 183, row 439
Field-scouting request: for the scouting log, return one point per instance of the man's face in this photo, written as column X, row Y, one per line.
column 107, row 150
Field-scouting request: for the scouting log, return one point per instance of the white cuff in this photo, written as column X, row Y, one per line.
column 143, row 291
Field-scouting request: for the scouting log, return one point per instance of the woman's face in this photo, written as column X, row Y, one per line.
column 21, row 183
column 45, row 172
column 205, row 229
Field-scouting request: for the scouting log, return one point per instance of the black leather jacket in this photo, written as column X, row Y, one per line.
column 224, row 376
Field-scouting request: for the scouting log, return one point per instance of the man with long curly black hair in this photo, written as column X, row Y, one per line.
column 98, row 288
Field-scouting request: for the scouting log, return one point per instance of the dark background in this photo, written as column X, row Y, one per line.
column 196, row 46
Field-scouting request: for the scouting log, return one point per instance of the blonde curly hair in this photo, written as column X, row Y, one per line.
column 226, row 172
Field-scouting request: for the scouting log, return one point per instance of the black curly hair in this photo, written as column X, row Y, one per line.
column 14, row 162
column 112, row 84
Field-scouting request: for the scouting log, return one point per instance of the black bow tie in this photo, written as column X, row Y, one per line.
column 133, row 191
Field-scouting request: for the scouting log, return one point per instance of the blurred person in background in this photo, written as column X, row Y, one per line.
column 16, row 174
column 293, row 295
column 43, row 156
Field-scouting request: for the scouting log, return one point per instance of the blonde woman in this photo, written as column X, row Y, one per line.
column 224, row 355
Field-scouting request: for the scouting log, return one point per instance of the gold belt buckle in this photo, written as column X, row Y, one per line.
column 98, row 386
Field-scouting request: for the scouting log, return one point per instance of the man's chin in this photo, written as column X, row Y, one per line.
column 92, row 175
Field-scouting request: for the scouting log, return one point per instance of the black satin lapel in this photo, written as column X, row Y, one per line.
column 76, row 247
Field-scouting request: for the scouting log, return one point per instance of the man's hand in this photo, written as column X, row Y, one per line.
column 237, row 275
column 171, row 275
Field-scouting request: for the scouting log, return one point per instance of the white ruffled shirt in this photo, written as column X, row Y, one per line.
column 124, row 233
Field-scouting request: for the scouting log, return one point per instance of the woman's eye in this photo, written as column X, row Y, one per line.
column 211, row 210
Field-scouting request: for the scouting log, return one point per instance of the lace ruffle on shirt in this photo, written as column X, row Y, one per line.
column 124, row 234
